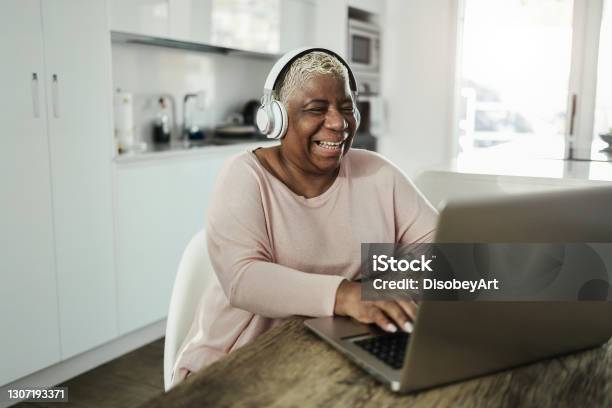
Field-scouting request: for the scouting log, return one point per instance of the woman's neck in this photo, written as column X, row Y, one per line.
column 301, row 182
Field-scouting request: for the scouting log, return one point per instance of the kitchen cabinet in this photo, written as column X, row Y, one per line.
column 251, row 26
column 263, row 26
column 147, row 17
column 267, row 26
column 297, row 24
column 28, row 294
column 191, row 20
column 57, row 297
column 160, row 205
column 79, row 106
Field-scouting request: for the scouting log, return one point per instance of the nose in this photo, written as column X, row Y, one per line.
column 334, row 120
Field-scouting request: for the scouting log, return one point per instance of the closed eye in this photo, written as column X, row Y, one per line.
column 316, row 110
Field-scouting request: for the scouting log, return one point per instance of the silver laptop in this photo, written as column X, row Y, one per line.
column 453, row 341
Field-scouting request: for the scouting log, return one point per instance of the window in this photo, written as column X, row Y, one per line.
column 603, row 103
column 528, row 75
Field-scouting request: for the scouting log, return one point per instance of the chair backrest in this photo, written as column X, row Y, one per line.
column 193, row 273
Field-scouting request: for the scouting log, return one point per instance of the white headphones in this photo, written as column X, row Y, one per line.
column 272, row 115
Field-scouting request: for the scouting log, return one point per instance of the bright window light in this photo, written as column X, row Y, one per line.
column 603, row 104
column 515, row 67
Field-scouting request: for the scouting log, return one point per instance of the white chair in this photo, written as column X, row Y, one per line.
column 193, row 274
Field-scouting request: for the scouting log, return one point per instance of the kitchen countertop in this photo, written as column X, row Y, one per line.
column 535, row 168
column 600, row 171
column 181, row 149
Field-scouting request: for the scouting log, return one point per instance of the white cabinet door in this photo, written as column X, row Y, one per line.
column 79, row 91
column 28, row 296
column 246, row 25
column 296, row 24
column 147, row 17
column 190, row 20
column 160, row 206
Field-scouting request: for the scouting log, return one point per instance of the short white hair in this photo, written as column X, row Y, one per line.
column 304, row 68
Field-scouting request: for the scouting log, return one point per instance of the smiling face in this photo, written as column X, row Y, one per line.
column 321, row 124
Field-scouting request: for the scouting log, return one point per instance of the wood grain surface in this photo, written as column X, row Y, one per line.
column 290, row 367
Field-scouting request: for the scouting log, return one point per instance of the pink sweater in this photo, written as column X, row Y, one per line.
column 277, row 254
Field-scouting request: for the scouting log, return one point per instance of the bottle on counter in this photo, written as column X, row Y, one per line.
column 161, row 124
column 124, row 121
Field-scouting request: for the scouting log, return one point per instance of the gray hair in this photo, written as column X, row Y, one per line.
column 304, row 68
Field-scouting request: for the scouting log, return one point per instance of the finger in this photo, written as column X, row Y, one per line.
column 409, row 307
column 381, row 320
column 395, row 312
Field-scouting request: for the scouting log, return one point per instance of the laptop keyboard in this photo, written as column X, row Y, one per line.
column 390, row 348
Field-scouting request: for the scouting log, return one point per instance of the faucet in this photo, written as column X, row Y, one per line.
column 190, row 130
column 174, row 129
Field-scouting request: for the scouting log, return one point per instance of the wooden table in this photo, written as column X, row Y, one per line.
column 288, row 366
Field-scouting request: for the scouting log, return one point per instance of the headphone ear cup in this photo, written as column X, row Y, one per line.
column 357, row 115
column 279, row 120
column 262, row 120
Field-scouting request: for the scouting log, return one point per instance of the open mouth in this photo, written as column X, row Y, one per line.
column 330, row 145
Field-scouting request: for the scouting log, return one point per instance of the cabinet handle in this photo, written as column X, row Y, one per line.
column 571, row 138
column 35, row 101
column 55, row 95
column 572, row 115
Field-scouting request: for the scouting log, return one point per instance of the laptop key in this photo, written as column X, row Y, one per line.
column 389, row 348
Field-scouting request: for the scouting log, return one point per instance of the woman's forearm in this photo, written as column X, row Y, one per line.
column 276, row 291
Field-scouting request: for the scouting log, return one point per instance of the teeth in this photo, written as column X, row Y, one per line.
column 329, row 144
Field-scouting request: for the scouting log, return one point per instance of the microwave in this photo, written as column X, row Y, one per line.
column 363, row 46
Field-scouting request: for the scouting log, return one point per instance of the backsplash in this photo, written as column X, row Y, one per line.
column 149, row 72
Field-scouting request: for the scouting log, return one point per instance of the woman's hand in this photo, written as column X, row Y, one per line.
column 388, row 315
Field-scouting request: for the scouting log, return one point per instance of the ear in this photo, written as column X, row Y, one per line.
column 357, row 115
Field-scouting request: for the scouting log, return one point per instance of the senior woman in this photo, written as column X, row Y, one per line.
column 286, row 223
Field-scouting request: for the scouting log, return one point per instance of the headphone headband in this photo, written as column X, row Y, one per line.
column 272, row 115
column 291, row 56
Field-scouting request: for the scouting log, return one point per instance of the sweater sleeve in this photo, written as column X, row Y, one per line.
column 244, row 261
column 415, row 217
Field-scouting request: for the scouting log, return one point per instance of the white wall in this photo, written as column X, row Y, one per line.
column 418, row 81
